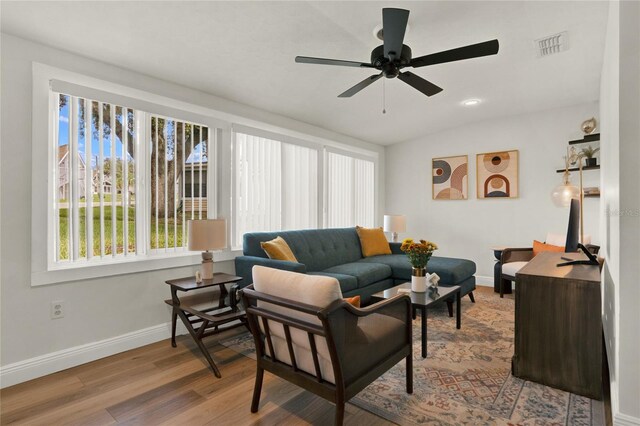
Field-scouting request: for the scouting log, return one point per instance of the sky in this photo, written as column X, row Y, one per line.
column 63, row 139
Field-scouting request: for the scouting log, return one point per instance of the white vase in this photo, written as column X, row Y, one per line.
column 419, row 280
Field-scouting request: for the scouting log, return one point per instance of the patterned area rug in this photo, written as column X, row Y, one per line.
column 466, row 380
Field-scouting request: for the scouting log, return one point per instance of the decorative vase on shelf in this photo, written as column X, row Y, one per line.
column 588, row 126
column 591, row 162
column 419, row 280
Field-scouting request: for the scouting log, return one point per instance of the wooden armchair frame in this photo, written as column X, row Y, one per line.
column 340, row 392
column 523, row 254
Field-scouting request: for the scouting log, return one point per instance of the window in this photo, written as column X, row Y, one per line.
column 126, row 181
column 350, row 190
column 95, row 199
column 178, row 191
column 275, row 185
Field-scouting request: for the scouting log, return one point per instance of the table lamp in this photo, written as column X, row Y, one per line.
column 205, row 235
column 395, row 223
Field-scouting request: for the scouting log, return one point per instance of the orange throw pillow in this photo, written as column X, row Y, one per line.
column 539, row 247
column 355, row 301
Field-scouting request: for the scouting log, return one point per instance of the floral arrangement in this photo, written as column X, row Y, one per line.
column 418, row 253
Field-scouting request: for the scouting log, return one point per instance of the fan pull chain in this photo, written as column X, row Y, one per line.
column 384, row 101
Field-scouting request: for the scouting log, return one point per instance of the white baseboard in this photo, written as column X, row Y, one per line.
column 42, row 365
column 39, row 366
column 620, row 419
column 483, row 281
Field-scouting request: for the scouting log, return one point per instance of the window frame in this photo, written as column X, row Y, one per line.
column 174, row 104
column 44, row 268
column 285, row 139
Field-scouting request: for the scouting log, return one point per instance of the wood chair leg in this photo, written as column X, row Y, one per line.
column 410, row 374
column 450, row 308
column 257, row 389
column 339, row 412
column 502, row 284
column 471, row 296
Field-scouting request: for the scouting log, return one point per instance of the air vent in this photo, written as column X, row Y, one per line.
column 552, row 44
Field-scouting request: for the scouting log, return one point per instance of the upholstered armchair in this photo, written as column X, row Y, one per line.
column 305, row 333
column 514, row 259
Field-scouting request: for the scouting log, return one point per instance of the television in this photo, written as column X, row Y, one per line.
column 573, row 231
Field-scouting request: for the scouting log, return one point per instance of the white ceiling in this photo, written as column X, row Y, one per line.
column 244, row 51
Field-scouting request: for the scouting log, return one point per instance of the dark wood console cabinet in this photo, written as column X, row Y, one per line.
column 558, row 325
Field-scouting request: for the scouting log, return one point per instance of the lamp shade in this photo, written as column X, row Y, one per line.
column 208, row 234
column 563, row 194
column 395, row 223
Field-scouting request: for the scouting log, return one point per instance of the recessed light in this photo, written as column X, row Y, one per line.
column 471, row 102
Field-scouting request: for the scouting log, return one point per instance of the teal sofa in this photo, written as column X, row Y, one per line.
column 337, row 253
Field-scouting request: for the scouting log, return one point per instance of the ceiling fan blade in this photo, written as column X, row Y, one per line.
column 394, row 25
column 358, row 87
column 324, row 61
column 419, row 83
column 467, row 52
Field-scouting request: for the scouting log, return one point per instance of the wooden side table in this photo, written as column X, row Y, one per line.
column 197, row 309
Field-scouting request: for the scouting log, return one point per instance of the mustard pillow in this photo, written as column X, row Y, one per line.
column 373, row 241
column 278, row 249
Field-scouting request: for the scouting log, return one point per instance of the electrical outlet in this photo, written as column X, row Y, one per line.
column 57, row 309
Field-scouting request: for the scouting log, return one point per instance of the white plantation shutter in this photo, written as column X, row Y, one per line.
column 350, row 191
column 276, row 185
column 299, row 187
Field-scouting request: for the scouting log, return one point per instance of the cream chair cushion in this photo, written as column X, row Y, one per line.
column 512, row 267
column 314, row 290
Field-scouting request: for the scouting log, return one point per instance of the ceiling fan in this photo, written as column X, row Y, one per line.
column 393, row 56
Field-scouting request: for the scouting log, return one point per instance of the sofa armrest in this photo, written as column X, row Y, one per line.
column 395, row 248
column 524, row 254
column 244, row 265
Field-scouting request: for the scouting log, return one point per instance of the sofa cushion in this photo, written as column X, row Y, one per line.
column 317, row 249
column 450, row 270
column 365, row 273
column 347, row 282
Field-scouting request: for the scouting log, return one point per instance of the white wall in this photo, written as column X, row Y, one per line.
column 620, row 109
column 469, row 228
column 96, row 309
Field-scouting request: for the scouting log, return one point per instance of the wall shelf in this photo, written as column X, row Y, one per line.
column 591, row 195
column 575, row 169
column 587, row 138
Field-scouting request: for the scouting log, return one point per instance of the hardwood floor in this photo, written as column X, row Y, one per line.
column 161, row 385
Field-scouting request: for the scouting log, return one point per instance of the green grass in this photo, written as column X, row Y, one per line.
column 119, row 243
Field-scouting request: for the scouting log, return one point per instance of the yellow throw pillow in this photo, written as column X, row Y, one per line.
column 278, row 249
column 373, row 241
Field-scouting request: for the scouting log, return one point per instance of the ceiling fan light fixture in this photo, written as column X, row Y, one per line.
column 471, row 102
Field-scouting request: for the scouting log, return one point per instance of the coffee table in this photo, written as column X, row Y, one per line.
column 422, row 301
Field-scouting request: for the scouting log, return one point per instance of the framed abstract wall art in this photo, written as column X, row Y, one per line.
column 497, row 174
column 450, row 178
